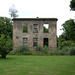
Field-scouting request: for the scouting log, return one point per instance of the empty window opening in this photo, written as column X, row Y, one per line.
column 45, row 28
column 45, row 42
column 25, row 28
column 35, row 28
column 35, row 40
column 25, row 41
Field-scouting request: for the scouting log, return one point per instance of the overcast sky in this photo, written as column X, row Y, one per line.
column 40, row 8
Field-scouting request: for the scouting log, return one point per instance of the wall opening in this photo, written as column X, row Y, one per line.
column 35, row 42
column 45, row 42
column 25, row 28
column 45, row 28
column 25, row 41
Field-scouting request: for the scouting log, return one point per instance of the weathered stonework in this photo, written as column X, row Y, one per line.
column 18, row 33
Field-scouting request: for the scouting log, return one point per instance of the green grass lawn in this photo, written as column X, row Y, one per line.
column 37, row 65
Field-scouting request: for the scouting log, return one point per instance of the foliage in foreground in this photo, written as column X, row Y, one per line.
column 24, row 50
column 64, row 51
column 6, row 30
column 6, row 27
column 6, row 45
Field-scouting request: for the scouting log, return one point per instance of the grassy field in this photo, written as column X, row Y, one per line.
column 37, row 65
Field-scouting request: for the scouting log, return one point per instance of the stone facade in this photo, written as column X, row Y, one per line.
column 31, row 37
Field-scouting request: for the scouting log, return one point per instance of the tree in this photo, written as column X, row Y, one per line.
column 13, row 12
column 25, row 28
column 72, row 5
column 69, row 29
column 6, row 30
column 6, row 27
column 6, row 45
column 45, row 30
column 63, row 41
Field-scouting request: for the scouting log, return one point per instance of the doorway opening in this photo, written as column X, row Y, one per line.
column 45, row 42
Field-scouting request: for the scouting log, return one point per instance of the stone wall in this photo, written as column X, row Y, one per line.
column 18, row 33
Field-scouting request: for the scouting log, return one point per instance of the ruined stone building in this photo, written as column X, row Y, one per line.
column 35, row 32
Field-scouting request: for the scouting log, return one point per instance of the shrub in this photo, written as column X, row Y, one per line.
column 45, row 50
column 72, row 51
column 66, row 50
column 12, row 52
column 6, row 45
column 59, row 51
column 42, row 50
column 39, row 48
column 23, row 50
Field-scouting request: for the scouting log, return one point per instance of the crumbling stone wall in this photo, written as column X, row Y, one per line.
column 18, row 33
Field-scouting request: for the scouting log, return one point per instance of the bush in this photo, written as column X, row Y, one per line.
column 59, row 51
column 45, row 50
column 39, row 48
column 42, row 50
column 12, row 52
column 6, row 45
column 66, row 50
column 72, row 51
column 23, row 50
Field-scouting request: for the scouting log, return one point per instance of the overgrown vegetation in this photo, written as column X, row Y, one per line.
column 24, row 50
column 6, row 31
column 66, row 41
column 64, row 51
column 25, row 28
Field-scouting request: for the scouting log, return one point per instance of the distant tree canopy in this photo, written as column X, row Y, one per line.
column 69, row 29
column 25, row 28
column 13, row 12
column 6, row 31
column 63, row 41
column 72, row 5
column 45, row 29
column 67, row 38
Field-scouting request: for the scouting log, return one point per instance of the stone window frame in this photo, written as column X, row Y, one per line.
column 35, row 28
column 35, row 42
column 25, row 41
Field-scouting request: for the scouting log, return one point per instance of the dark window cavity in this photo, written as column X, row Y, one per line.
column 35, row 40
